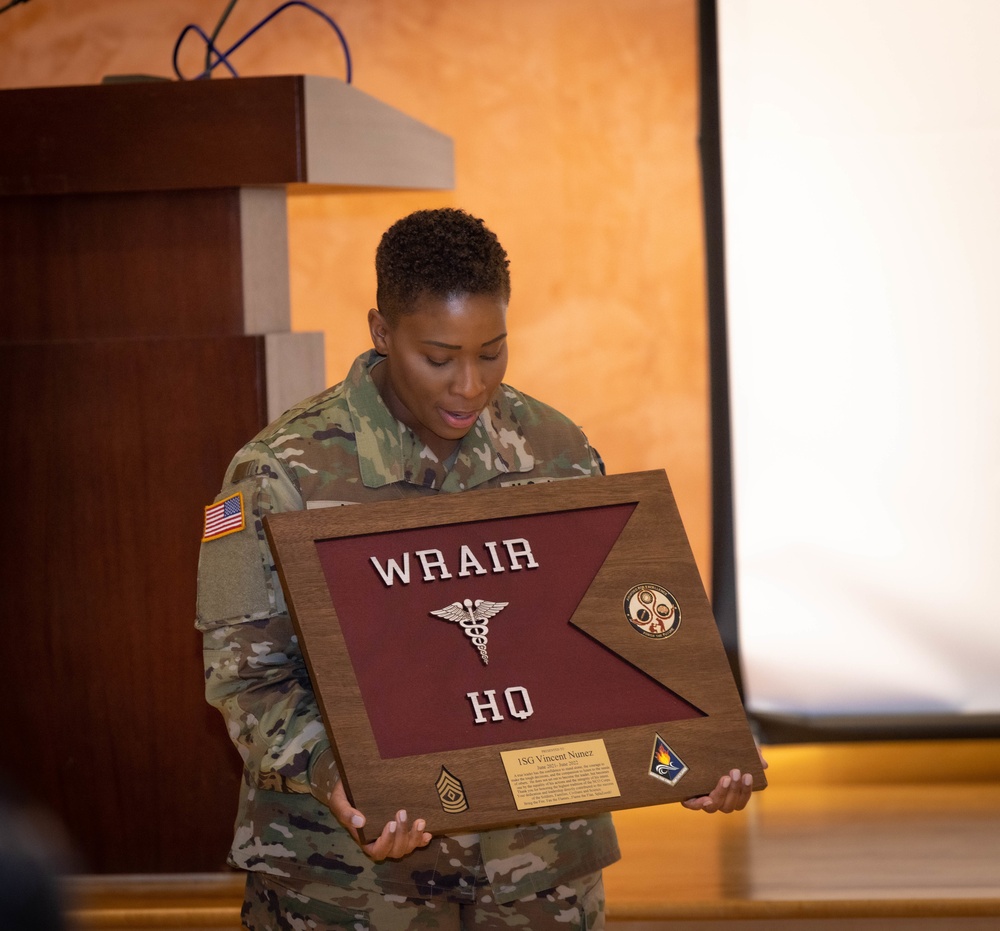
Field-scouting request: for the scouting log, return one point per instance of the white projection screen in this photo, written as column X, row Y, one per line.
column 860, row 146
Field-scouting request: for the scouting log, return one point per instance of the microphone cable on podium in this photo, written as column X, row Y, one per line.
column 222, row 57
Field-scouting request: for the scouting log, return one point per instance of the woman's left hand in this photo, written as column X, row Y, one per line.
column 731, row 793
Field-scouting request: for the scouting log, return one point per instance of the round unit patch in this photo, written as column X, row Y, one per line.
column 652, row 610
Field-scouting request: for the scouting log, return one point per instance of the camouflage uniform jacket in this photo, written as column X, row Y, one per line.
column 344, row 446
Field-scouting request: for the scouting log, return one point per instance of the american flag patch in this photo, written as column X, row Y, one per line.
column 224, row 517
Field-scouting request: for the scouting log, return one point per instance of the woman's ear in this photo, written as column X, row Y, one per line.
column 379, row 329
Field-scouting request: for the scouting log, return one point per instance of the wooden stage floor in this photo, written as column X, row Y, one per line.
column 872, row 837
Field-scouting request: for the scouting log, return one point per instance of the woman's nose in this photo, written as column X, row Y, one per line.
column 468, row 382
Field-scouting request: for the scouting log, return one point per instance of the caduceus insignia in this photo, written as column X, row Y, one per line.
column 472, row 616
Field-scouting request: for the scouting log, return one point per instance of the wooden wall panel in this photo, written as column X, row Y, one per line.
column 116, row 458
column 121, row 265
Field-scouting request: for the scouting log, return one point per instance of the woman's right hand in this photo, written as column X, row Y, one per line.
column 398, row 838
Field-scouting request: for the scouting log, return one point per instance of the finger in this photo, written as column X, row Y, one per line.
column 717, row 797
column 420, row 836
column 349, row 816
column 738, row 793
column 398, row 838
column 344, row 812
column 731, row 796
column 401, row 845
column 708, row 802
column 354, row 823
column 410, row 835
column 425, row 837
column 382, row 847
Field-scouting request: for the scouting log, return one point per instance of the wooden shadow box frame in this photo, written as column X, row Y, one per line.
column 514, row 655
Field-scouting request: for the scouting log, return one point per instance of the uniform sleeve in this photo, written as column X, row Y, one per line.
column 254, row 670
column 597, row 466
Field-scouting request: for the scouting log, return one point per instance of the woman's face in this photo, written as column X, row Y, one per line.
column 443, row 362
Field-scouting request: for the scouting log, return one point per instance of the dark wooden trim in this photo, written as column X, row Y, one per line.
column 178, row 135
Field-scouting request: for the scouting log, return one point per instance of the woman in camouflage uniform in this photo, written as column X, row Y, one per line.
column 425, row 413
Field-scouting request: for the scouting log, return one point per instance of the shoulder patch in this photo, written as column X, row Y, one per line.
column 224, row 517
column 244, row 470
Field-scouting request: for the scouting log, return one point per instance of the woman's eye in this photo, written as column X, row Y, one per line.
column 490, row 358
column 436, row 363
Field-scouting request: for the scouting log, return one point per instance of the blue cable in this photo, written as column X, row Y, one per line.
column 223, row 57
column 193, row 27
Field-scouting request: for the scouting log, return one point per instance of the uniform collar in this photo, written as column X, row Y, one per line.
column 388, row 451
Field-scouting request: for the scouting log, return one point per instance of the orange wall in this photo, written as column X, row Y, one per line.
column 575, row 135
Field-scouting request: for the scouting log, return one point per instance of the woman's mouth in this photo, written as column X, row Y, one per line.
column 459, row 420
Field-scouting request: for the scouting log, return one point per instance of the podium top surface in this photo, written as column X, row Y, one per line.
column 155, row 136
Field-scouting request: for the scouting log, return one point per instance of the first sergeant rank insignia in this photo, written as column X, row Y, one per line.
column 451, row 792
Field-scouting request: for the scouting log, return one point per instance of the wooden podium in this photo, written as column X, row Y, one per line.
column 144, row 336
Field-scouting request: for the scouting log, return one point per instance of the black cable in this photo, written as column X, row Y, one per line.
column 215, row 34
column 13, row 3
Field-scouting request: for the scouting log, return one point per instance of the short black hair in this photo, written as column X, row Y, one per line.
column 443, row 253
